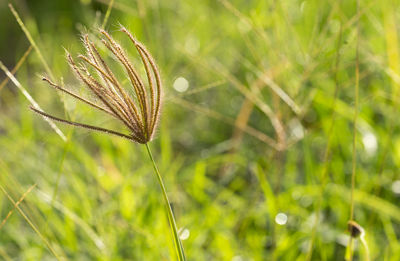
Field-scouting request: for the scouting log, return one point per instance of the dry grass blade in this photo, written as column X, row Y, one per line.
column 268, row 81
column 220, row 70
column 241, row 123
column 16, row 205
column 30, row 39
column 46, row 242
column 31, row 100
column 253, row 97
column 17, row 66
column 273, row 86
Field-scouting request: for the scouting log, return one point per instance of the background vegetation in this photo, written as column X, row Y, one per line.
column 255, row 141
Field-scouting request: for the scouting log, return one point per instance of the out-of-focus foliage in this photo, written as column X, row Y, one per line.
column 248, row 107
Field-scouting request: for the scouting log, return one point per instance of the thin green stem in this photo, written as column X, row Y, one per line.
column 327, row 153
column 171, row 218
column 110, row 6
column 354, row 161
column 364, row 243
column 30, row 39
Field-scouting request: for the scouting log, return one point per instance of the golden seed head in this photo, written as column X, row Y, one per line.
column 140, row 114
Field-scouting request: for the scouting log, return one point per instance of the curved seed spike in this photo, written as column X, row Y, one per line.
column 136, row 81
column 126, row 100
column 95, row 65
column 100, row 91
column 85, row 40
column 152, row 94
column 139, row 114
column 118, row 52
column 55, row 86
column 99, row 60
column 119, row 106
column 86, row 126
column 142, row 50
column 133, row 112
column 95, row 89
column 93, row 59
column 152, row 117
column 121, row 56
column 158, row 81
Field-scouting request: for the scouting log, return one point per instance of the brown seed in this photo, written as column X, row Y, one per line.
column 354, row 228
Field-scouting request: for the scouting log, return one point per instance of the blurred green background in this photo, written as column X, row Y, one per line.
column 254, row 144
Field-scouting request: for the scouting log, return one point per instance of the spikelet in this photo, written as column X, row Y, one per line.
column 139, row 114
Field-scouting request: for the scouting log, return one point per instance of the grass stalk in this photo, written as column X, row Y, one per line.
column 171, row 218
column 46, row 242
column 354, row 154
column 327, row 152
column 30, row 39
column 16, row 205
column 31, row 100
column 354, row 162
column 109, row 8
column 366, row 248
column 17, row 66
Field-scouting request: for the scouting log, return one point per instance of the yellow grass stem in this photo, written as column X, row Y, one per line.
column 17, row 66
column 16, row 205
column 47, row 243
column 31, row 100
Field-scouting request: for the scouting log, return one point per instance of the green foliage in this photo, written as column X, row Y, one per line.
column 245, row 142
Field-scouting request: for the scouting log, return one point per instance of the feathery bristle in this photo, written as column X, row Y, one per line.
column 139, row 115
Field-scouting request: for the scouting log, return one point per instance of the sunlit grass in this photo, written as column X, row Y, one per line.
column 262, row 131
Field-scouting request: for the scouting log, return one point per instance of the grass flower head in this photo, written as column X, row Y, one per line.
column 139, row 112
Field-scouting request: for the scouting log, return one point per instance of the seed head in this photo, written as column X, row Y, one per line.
column 355, row 229
column 140, row 112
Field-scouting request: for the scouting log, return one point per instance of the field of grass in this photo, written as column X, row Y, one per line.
column 279, row 125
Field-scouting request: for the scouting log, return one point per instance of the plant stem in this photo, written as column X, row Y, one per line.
column 171, row 218
column 354, row 157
